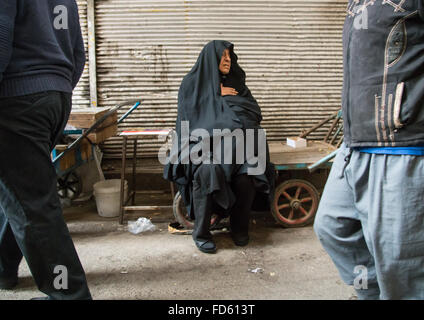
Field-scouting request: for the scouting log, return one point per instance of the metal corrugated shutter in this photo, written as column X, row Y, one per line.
column 291, row 51
column 81, row 94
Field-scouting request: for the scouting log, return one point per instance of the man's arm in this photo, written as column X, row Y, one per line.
column 8, row 9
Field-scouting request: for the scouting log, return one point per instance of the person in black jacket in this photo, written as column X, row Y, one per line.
column 213, row 98
column 371, row 216
column 41, row 61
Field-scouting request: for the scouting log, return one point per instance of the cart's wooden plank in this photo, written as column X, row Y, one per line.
column 88, row 113
column 82, row 153
column 282, row 154
column 101, row 135
column 87, row 120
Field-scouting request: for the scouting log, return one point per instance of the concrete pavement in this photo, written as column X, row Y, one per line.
column 282, row 264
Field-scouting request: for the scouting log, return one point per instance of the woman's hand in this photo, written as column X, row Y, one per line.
column 227, row 91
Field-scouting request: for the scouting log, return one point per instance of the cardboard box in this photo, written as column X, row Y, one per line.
column 297, row 142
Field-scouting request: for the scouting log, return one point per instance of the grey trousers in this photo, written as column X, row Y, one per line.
column 371, row 223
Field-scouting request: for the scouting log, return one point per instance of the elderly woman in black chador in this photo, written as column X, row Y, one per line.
column 213, row 96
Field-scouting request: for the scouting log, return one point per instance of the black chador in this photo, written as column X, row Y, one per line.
column 227, row 188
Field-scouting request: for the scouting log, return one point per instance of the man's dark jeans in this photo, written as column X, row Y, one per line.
column 31, row 220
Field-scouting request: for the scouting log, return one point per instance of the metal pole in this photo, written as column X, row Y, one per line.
column 134, row 172
column 122, row 198
column 91, row 25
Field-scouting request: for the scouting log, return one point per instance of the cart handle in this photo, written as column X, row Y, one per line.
column 129, row 112
column 317, row 164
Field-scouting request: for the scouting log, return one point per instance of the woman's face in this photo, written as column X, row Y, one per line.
column 225, row 64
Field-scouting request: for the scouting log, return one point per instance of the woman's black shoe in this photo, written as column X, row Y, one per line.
column 207, row 246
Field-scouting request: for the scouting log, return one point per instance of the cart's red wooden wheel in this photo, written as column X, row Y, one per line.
column 295, row 203
column 181, row 214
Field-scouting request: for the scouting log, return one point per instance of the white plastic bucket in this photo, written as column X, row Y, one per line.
column 107, row 194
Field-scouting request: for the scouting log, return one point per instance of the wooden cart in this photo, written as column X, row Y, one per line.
column 296, row 196
column 92, row 127
column 296, row 200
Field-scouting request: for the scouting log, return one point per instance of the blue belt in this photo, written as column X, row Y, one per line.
column 412, row 151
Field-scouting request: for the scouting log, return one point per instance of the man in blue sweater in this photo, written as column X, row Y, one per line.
column 41, row 61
